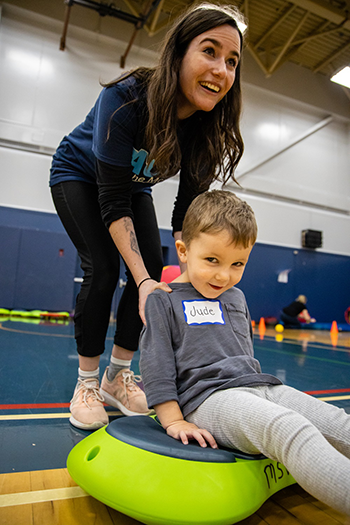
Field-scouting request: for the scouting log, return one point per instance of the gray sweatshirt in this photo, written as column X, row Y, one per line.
column 193, row 346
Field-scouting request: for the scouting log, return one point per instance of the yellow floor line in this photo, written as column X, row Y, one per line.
column 41, row 496
column 15, row 417
column 334, row 398
column 23, row 417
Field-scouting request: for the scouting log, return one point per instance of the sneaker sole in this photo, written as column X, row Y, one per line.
column 112, row 401
column 83, row 426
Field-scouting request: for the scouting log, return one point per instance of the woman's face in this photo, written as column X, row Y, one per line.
column 208, row 70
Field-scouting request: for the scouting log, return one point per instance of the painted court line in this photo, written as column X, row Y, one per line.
column 35, row 405
column 50, row 405
column 41, row 496
column 19, row 417
column 23, row 417
column 45, row 334
column 333, row 398
column 15, row 417
column 332, row 391
column 28, row 332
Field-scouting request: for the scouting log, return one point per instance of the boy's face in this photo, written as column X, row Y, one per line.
column 214, row 263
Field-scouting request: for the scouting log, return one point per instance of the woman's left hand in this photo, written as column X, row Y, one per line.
column 145, row 289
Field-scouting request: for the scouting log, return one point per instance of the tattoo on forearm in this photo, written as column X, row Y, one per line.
column 133, row 241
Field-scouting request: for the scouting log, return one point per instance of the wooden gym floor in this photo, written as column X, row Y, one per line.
column 38, row 374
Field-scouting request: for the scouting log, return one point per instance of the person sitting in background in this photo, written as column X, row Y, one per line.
column 293, row 315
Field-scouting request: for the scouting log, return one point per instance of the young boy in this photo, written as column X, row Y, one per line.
column 199, row 370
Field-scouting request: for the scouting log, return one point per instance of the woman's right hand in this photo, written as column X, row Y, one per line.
column 145, row 289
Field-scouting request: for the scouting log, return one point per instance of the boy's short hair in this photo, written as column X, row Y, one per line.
column 218, row 210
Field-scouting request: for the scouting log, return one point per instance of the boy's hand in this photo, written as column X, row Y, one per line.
column 171, row 418
column 183, row 431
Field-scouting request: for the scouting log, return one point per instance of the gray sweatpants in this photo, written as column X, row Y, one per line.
column 309, row 437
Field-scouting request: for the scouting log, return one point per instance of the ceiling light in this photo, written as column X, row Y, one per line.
column 342, row 77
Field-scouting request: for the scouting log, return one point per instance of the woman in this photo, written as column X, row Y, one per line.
column 183, row 115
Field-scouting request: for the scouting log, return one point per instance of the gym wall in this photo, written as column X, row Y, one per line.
column 294, row 172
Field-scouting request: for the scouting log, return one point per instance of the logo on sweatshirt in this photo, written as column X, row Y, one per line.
column 141, row 171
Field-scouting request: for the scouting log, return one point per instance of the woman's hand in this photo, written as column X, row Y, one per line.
column 183, row 431
column 145, row 289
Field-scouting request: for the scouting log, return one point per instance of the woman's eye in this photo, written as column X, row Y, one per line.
column 232, row 62
column 209, row 51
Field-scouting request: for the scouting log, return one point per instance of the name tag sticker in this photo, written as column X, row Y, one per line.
column 203, row 311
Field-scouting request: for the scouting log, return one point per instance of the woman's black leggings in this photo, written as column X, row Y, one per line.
column 77, row 206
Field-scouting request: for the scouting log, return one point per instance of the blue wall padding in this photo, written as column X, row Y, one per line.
column 37, row 269
column 30, row 219
column 323, row 277
column 46, row 271
column 9, row 250
column 33, row 274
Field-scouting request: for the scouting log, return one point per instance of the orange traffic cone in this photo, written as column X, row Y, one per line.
column 334, row 338
column 262, row 328
column 334, row 328
column 262, row 325
column 334, row 333
column 253, row 323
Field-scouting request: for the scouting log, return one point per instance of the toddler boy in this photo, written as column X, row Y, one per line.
column 198, row 365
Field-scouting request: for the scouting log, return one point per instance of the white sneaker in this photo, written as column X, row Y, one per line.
column 86, row 406
column 123, row 393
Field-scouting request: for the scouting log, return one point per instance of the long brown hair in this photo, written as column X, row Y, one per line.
column 217, row 145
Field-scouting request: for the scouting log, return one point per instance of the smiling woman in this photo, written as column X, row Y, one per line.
column 182, row 115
